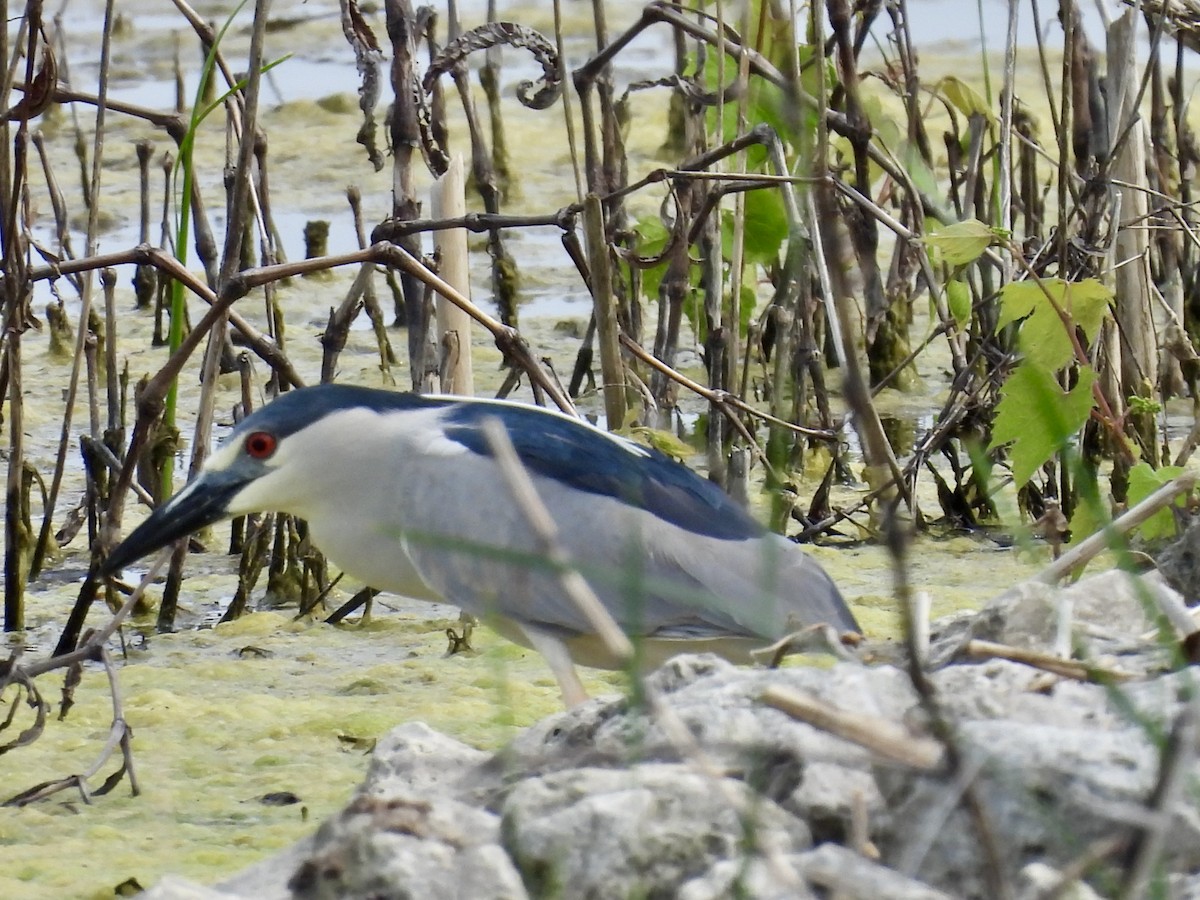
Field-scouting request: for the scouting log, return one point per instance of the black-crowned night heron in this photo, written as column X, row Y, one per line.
column 404, row 492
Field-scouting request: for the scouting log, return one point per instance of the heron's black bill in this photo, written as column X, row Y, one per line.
column 201, row 503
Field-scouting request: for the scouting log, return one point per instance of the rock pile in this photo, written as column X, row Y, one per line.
column 1051, row 783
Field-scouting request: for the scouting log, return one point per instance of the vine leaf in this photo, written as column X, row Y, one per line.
column 652, row 238
column 766, row 226
column 1043, row 339
column 1144, row 481
column 965, row 98
column 958, row 299
column 961, row 242
column 1038, row 417
column 918, row 169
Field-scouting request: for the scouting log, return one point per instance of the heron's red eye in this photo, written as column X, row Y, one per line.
column 260, row 444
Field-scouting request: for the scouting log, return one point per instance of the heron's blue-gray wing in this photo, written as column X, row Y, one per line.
column 594, row 462
column 667, row 551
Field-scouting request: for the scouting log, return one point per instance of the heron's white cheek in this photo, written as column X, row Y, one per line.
column 272, row 492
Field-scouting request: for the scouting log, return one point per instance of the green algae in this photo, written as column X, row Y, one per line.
column 214, row 732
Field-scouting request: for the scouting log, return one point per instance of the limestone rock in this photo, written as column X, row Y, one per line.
column 608, row 834
column 408, row 849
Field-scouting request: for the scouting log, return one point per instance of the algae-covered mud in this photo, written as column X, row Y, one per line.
column 247, row 734
column 245, row 737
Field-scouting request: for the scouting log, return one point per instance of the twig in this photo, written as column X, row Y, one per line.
column 884, row 738
column 1089, row 547
column 1067, row 668
column 144, row 254
column 721, row 398
column 87, row 650
column 922, row 604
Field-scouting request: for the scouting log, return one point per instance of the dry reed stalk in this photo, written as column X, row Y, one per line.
column 453, row 323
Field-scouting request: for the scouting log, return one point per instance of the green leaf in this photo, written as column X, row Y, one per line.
column 747, row 303
column 964, row 98
column 809, row 58
column 918, row 170
column 1043, row 338
column 1038, row 417
column 765, row 103
column 961, row 242
column 652, row 235
column 769, row 104
column 651, row 281
column 1017, row 300
column 958, row 299
column 766, row 226
column 887, row 129
column 652, row 238
column 1143, row 406
column 1091, row 513
column 1144, row 481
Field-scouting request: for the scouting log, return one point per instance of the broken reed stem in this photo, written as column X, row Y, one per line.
column 1048, row 662
column 882, row 737
column 16, row 297
column 922, row 604
column 337, row 329
column 405, row 137
column 453, row 322
column 1091, row 546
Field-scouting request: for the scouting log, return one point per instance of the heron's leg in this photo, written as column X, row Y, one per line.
column 558, row 658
